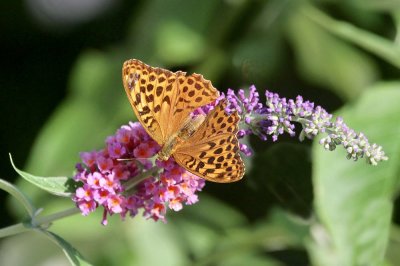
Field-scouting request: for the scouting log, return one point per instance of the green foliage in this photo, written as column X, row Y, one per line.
column 19, row 196
column 352, row 201
column 74, row 257
column 60, row 185
column 54, row 186
column 297, row 205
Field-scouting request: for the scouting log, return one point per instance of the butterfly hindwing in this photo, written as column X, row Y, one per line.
column 213, row 151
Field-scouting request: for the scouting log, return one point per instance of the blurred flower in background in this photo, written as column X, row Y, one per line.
column 54, row 14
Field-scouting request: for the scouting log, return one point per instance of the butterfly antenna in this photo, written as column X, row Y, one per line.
column 132, row 159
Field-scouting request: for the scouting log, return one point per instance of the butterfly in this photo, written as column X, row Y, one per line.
column 164, row 101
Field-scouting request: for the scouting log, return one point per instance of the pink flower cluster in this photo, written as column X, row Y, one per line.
column 122, row 179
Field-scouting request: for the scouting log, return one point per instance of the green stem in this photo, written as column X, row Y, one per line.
column 386, row 49
column 39, row 221
column 36, row 222
column 18, row 194
column 14, row 229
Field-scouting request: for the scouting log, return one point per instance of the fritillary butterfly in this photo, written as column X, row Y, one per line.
column 163, row 102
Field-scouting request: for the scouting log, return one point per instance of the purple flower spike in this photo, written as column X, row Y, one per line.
column 249, row 109
column 245, row 149
column 280, row 115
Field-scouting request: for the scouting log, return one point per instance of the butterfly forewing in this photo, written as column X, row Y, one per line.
column 163, row 100
column 213, row 151
column 140, row 83
column 192, row 92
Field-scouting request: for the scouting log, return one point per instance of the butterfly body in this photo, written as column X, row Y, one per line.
column 163, row 101
column 173, row 142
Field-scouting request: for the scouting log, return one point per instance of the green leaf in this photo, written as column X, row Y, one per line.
column 245, row 242
column 374, row 5
column 178, row 44
column 329, row 61
column 18, row 195
column 60, row 186
column 145, row 237
column 214, row 213
column 385, row 49
column 258, row 57
column 72, row 254
column 95, row 107
column 392, row 253
column 176, row 37
column 353, row 200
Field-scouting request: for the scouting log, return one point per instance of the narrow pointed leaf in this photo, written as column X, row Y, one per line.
column 74, row 257
column 60, row 186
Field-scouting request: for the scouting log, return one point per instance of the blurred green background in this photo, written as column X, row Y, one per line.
column 297, row 205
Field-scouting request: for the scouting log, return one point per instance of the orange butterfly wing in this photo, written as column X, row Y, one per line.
column 212, row 152
column 163, row 100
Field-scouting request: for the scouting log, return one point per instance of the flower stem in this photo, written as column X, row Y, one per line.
column 36, row 222
column 14, row 229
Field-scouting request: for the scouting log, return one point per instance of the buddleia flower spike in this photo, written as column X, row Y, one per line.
column 279, row 115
